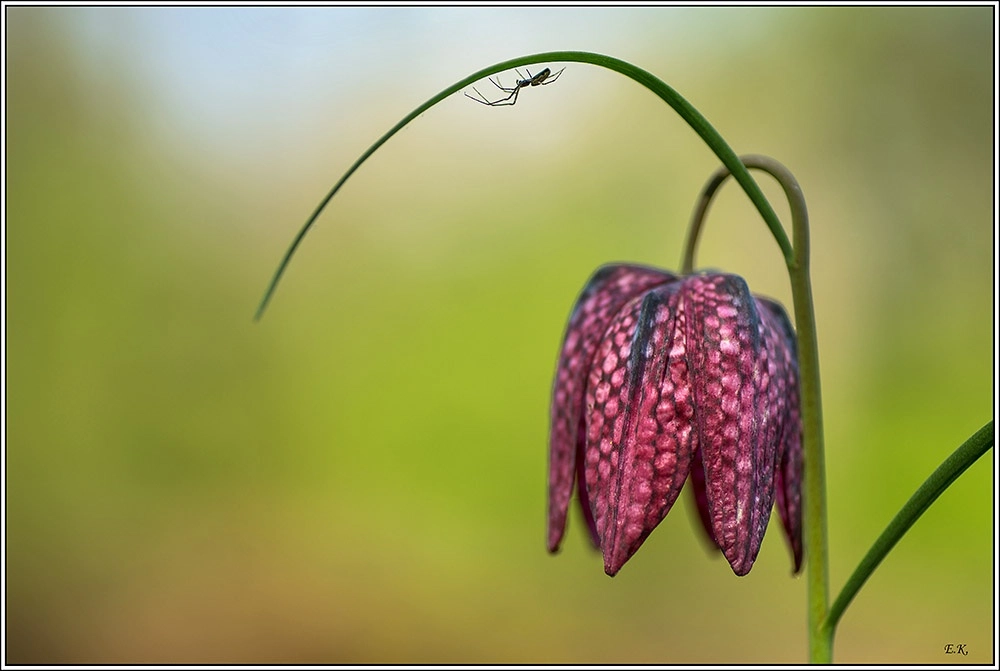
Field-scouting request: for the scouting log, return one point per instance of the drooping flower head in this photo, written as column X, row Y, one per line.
column 662, row 379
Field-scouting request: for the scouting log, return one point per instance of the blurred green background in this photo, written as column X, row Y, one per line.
column 361, row 476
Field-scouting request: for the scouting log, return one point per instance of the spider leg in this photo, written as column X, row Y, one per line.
column 503, row 101
column 512, row 98
column 496, row 83
column 482, row 99
column 552, row 78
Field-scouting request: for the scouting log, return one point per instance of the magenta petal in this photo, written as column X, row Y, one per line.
column 696, row 482
column 588, row 514
column 606, row 291
column 661, row 380
column 788, row 495
column 737, row 422
column 639, row 438
column 788, row 476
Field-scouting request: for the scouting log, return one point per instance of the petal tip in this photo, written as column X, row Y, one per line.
column 741, row 569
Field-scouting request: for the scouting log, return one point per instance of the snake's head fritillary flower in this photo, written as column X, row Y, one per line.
column 664, row 378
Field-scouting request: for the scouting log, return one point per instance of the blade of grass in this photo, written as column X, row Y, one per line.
column 952, row 467
column 671, row 97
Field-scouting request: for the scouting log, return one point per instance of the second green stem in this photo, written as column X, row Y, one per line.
column 814, row 490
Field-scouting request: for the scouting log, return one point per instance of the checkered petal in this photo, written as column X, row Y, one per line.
column 639, row 438
column 605, row 293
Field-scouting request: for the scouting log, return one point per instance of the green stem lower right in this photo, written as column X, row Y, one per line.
column 973, row 448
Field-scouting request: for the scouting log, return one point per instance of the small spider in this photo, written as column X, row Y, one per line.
column 541, row 79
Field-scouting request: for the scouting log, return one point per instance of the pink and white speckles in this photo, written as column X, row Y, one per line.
column 662, row 379
column 737, row 454
column 633, row 496
column 785, row 391
column 740, row 456
column 606, row 292
column 610, row 362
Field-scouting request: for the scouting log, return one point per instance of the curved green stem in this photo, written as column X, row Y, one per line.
column 973, row 448
column 667, row 94
column 814, row 491
column 753, row 162
column 698, row 216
